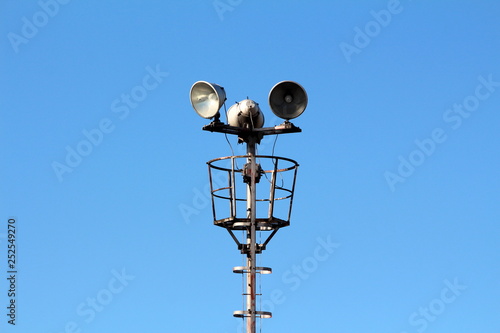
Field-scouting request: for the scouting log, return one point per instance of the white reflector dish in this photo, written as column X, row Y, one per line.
column 207, row 98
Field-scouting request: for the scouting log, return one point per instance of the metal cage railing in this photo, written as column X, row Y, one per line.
column 229, row 186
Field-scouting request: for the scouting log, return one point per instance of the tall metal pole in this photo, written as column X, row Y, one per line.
column 251, row 237
column 287, row 100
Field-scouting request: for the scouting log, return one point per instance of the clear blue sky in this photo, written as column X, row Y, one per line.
column 399, row 164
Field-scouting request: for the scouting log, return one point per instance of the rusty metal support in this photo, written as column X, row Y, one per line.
column 251, row 221
column 251, row 237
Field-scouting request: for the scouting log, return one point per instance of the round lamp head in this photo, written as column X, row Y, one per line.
column 245, row 114
column 288, row 100
column 207, row 98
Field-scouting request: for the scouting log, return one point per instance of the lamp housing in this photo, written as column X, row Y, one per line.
column 207, row 98
column 288, row 99
column 245, row 114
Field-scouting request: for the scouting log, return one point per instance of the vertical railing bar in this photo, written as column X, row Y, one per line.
column 293, row 192
column 272, row 189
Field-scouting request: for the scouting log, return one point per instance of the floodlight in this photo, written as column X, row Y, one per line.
column 288, row 99
column 246, row 114
column 251, row 210
column 207, row 98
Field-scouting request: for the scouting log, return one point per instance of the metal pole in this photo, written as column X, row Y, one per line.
column 251, row 237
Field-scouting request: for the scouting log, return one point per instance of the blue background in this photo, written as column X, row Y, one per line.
column 380, row 76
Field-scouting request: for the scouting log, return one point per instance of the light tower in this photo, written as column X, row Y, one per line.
column 249, row 210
